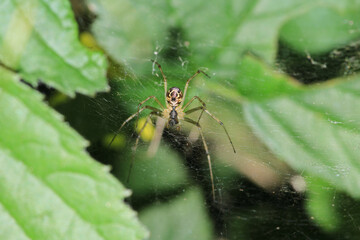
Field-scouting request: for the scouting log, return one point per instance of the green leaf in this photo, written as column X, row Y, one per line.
column 50, row 188
column 259, row 82
column 182, row 219
column 216, row 33
column 321, row 204
column 123, row 30
column 314, row 130
column 322, row 29
column 164, row 172
column 39, row 39
column 335, row 212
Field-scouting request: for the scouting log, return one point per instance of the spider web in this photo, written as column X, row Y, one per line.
column 257, row 195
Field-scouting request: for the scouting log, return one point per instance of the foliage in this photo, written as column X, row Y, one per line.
column 311, row 128
column 50, row 187
column 257, row 53
column 181, row 226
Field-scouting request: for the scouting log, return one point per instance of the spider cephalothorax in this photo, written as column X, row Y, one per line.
column 174, row 112
column 174, row 96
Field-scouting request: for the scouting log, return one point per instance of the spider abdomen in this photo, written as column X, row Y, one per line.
column 173, row 117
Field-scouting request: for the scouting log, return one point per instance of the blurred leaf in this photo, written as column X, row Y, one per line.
column 39, row 39
column 334, row 211
column 131, row 30
column 184, row 218
column 123, row 30
column 314, row 130
column 323, row 29
column 50, row 188
column 259, row 83
column 321, row 204
column 150, row 175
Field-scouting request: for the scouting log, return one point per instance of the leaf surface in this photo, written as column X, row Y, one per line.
column 221, row 31
column 39, row 39
column 182, row 219
column 50, row 188
column 314, row 129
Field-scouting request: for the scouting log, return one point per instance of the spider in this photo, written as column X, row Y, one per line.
column 173, row 113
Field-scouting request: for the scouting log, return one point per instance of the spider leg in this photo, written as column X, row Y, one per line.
column 196, row 109
column 137, row 142
column 164, row 77
column 211, row 115
column 202, row 103
column 192, row 100
column 147, row 99
column 207, row 153
column 188, row 81
column 222, row 124
column 131, row 117
column 151, row 97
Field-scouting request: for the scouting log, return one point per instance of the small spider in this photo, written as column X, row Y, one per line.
column 173, row 113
